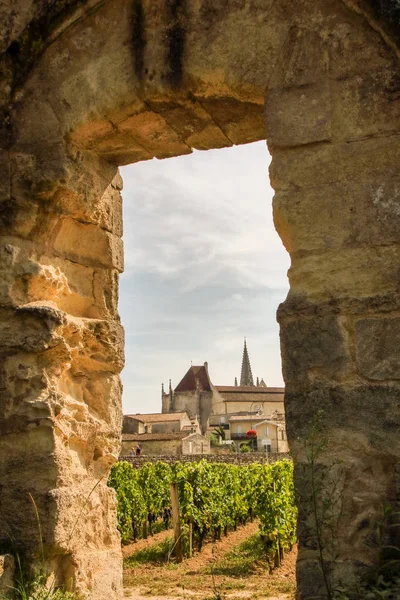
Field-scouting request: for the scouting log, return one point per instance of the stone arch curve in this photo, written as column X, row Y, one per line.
column 97, row 84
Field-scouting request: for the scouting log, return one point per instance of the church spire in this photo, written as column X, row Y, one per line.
column 246, row 377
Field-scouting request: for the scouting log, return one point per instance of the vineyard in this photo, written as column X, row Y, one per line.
column 212, row 499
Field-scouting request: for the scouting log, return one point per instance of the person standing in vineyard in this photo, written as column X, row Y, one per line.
column 167, row 516
column 138, row 450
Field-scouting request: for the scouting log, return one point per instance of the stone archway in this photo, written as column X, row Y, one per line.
column 97, row 84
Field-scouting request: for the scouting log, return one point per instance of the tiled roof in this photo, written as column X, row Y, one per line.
column 189, row 382
column 150, row 437
column 158, row 417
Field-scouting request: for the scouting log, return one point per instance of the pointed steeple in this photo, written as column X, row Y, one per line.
column 246, row 377
column 258, row 382
column 236, row 381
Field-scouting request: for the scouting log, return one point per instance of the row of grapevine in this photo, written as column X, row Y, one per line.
column 213, row 498
column 141, row 494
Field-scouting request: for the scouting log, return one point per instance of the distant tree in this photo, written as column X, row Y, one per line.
column 245, row 447
column 220, row 431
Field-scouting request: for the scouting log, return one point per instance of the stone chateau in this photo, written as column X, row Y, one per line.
column 195, row 408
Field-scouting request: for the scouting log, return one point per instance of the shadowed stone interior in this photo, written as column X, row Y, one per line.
column 88, row 86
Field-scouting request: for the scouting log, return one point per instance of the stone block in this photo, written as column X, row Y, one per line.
column 32, row 328
column 88, row 244
column 242, row 122
column 314, row 349
column 105, row 289
column 377, row 347
column 298, row 116
column 107, row 212
column 303, row 59
column 99, row 347
column 363, row 418
column 310, row 581
column 121, row 148
column 192, row 123
column 365, row 105
column 154, row 134
column 5, row 191
column 372, row 162
column 349, row 214
column 7, row 573
column 353, row 273
column 354, row 51
column 79, row 299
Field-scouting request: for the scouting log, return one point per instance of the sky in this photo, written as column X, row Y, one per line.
column 204, row 268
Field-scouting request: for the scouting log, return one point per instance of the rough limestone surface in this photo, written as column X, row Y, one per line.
column 87, row 86
column 7, row 573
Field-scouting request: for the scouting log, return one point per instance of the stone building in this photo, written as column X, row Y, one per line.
column 215, row 404
column 194, row 394
column 158, row 423
column 271, row 434
column 174, row 443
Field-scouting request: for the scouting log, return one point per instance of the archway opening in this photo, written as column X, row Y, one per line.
column 204, row 267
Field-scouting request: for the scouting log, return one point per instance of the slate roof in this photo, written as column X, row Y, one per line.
column 158, row 417
column 246, row 376
column 189, row 381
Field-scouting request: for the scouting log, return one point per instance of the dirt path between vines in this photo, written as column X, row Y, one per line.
column 193, row 579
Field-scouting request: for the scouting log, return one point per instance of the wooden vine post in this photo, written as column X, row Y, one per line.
column 277, row 557
column 176, row 521
column 190, row 538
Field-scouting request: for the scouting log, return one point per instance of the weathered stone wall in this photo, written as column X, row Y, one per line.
column 89, row 86
column 169, row 447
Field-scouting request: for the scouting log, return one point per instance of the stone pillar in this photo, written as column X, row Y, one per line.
column 336, row 149
column 61, row 353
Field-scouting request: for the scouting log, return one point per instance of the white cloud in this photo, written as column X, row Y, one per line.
column 204, row 267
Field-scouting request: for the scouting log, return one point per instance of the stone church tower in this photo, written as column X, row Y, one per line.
column 246, row 376
column 193, row 394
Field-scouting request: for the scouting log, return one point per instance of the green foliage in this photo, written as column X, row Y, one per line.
column 139, row 492
column 242, row 560
column 36, row 587
column 155, row 554
column 275, row 508
column 212, row 498
column 245, row 447
column 219, row 432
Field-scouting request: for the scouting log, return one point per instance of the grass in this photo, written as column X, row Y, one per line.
column 155, row 554
column 241, row 573
column 243, row 560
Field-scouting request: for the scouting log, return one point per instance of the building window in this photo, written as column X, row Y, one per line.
column 239, row 429
column 222, row 419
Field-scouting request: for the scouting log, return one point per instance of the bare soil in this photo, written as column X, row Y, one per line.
column 193, row 578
